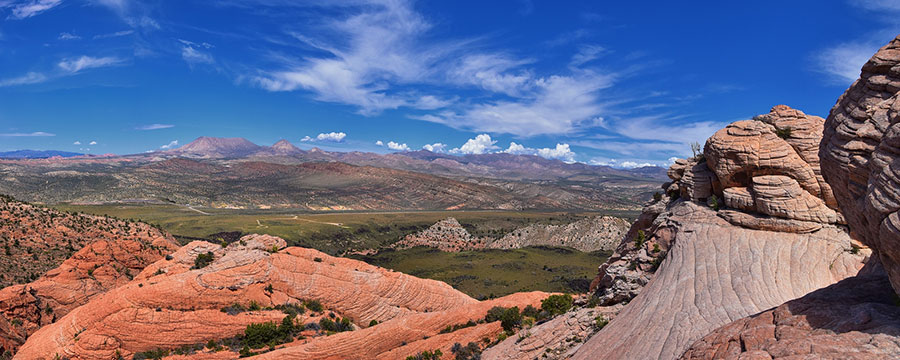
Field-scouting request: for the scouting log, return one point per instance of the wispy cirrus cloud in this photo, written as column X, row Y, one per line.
column 68, row 36
column 113, row 34
column 26, row 9
column 31, row 134
column 842, row 62
column 154, row 127
column 88, row 62
column 27, row 79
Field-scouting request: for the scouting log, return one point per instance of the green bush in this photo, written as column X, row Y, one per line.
column 469, row 352
column 640, row 238
column 373, row 323
column 713, row 202
column 314, row 305
column 336, row 326
column 426, row 355
column 258, row 335
column 784, row 133
column 203, row 260
column 600, row 322
column 557, row 304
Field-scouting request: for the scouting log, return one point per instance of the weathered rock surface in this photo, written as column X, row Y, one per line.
column 180, row 305
column 558, row 338
column 98, row 266
column 445, row 235
column 591, row 234
column 716, row 273
column 859, row 154
column 748, row 225
column 856, row 318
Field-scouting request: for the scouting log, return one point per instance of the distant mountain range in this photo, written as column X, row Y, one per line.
column 36, row 154
column 234, row 172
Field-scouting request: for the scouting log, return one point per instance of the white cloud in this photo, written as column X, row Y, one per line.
column 68, row 36
column 331, row 137
column 92, row 143
column 88, row 62
column 877, row 5
column 430, row 102
column 479, row 145
column 114, row 34
column 557, row 105
column 671, row 160
column 171, row 145
column 76, row 143
column 601, row 162
column 560, row 152
column 27, row 79
column 191, row 55
column 154, row 127
column 194, row 56
column 436, row 147
column 27, row 9
column 31, row 134
column 379, row 143
column 491, row 72
column 843, row 62
column 632, row 164
column 397, row 146
column 587, row 54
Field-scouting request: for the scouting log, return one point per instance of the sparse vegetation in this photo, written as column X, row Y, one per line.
column 557, row 304
column 784, row 133
column 468, row 352
column 426, row 355
column 640, row 238
column 203, row 260
column 713, row 202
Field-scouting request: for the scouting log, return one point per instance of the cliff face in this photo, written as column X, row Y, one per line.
column 745, row 227
column 857, row 318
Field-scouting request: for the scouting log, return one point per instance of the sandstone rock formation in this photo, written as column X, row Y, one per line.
column 859, row 151
column 97, row 267
column 445, row 235
column 181, row 305
column 591, row 234
column 34, row 239
column 856, row 318
column 746, row 226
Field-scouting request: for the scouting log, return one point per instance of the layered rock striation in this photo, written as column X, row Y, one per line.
column 181, row 299
column 745, row 226
column 590, row 234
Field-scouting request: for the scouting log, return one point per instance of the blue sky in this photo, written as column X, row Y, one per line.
column 604, row 82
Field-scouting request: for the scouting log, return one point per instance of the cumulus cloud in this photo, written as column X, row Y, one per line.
column 27, row 79
column 560, row 152
column 171, row 145
column 632, row 164
column 154, row 127
column 479, row 145
column 329, row 137
column 436, row 147
column 379, row 143
column 397, row 146
column 27, row 9
column 88, row 62
column 31, row 134
column 76, row 142
column 671, row 160
column 92, row 143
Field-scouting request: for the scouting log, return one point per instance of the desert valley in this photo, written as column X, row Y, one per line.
column 775, row 237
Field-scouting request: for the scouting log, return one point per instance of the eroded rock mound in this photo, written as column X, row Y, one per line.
column 591, row 234
column 859, row 156
column 181, row 300
column 446, row 235
column 745, row 226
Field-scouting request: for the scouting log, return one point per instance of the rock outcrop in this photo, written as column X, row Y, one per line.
column 857, row 318
column 111, row 253
column 445, row 235
column 591, row 234
column 180, row 301
column 859, row 152
column 745, row 226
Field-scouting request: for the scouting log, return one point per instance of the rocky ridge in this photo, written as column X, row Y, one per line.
column 445, row 235
column 174, row 294
column 591, row 234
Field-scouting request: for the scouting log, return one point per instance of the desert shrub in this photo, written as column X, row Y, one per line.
column 258, row 335
column 657, row 196
column 468, row 352
column 373, row 323
column 784, row 133
column 234, row 309
column 317, row 259
column 254, row 306
column 313, row 305
column 600, row 322
column 426, row 355
column 291, row 309
column 557, row 304
column 530, row 311
column 152, row 354
column 640, row 238
column 203, row 260
column 713, row 202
